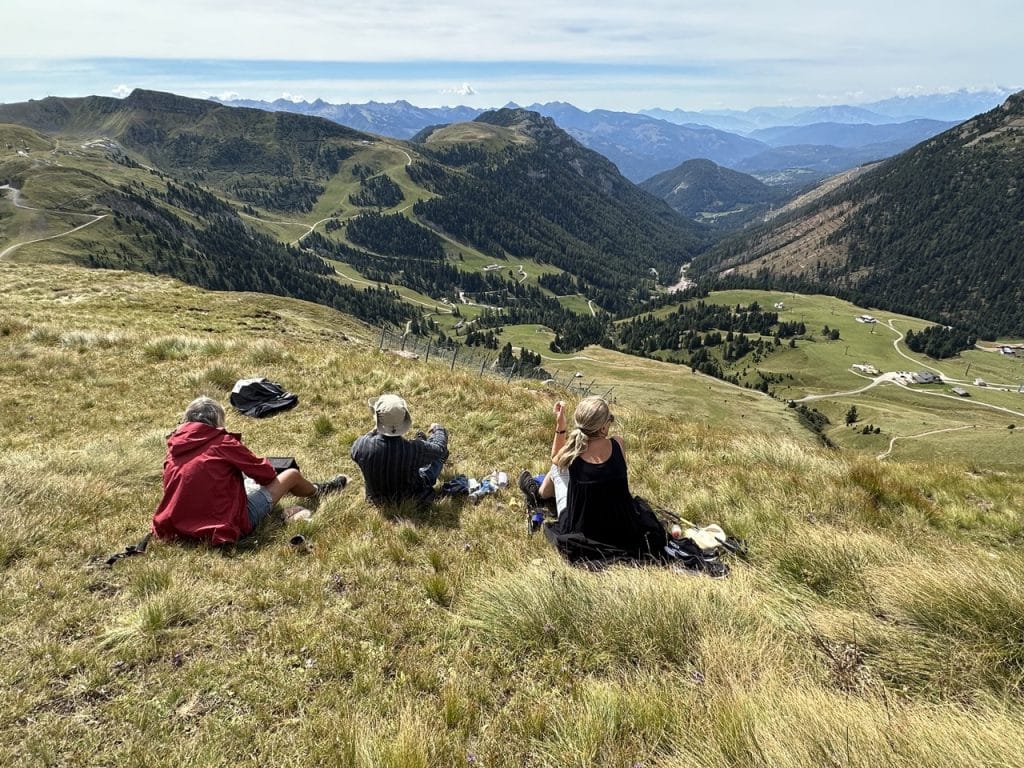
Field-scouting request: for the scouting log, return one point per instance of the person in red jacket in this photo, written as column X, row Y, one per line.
column 204, row 491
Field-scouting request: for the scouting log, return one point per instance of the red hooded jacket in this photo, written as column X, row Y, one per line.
column 204, row 494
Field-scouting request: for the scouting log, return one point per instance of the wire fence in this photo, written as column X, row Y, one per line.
column 484, row 361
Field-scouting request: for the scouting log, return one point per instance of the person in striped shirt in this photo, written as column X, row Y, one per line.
column 394, row 468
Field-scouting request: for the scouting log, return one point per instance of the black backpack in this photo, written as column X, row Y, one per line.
column 260, row 397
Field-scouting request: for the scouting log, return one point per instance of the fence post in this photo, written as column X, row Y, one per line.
column 455, row 353
column 402, row 348
column 383, row 333
column 482, row 366
column 427, row 358
column 587, row 390
column 510, row 372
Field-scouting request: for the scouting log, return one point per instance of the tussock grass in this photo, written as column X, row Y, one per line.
column 323, row 426
column 875, row 622
column 980, row 603
column 180, row 348
column 219, row 377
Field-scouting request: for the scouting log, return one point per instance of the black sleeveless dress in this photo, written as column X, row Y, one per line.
column 600, row 514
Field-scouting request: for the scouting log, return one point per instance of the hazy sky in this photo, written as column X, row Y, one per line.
column 593, row 53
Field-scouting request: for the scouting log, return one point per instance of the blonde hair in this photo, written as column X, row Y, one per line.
column 590, row 416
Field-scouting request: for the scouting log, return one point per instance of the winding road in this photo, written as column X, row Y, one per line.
column 896, row 380
column 16, row 199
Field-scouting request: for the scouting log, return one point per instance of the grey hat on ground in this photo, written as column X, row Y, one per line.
column 392, row 415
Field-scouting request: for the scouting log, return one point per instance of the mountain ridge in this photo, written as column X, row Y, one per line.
column 934, row 232
column 640, row 144
column 194, row 186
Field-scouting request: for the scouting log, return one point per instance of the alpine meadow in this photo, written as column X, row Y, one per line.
column 831, row 372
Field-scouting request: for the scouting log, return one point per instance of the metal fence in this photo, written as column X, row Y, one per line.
column 484, row 361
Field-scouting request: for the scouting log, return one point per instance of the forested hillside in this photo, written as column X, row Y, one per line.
column 700, row 188
column 242, row 199
column 936, row 232
column 558, row 203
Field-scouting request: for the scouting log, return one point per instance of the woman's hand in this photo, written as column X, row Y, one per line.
column 559, row 410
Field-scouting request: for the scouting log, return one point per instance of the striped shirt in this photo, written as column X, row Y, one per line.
column 391, row 465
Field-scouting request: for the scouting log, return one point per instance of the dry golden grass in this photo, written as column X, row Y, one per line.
column 877, row 621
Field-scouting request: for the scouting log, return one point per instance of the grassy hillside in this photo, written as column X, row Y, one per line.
column 876, row 623
column 181, row 182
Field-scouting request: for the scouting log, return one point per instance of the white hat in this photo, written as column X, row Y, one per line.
column 392, row 414
column 708, row 537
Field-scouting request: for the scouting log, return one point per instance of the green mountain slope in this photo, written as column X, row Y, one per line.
column 935, row 232
column 183, row 179
column 549, row 198
column 700, row 189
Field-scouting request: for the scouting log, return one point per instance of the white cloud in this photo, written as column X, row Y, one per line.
column 463, row 90
column 736, row 52
column 121, row 90
column 293, row 97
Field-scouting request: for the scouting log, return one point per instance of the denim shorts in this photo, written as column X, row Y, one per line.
column 258, row 504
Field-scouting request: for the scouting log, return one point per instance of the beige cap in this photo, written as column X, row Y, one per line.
column 392, row 415
column 708, row 537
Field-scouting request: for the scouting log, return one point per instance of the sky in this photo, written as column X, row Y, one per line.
column 595, row 54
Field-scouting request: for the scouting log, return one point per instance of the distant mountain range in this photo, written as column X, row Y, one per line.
column 935, row 232
column 644, row 144
column 955, row 106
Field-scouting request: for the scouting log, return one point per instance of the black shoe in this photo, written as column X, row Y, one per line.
column 334, row 485
column 528, row 485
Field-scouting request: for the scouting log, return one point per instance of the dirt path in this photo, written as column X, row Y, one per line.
column 16, row 198
column 892, row 442
column 882, row 379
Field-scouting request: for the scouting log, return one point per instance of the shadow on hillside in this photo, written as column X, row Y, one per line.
column 442, row 513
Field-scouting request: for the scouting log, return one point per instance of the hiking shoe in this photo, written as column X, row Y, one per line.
column 531, row 491
column 334, row 485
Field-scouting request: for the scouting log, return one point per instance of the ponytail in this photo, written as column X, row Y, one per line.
column 575, row 443
column 590, row 417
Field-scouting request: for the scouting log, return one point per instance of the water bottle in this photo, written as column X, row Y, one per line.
column 483, row 490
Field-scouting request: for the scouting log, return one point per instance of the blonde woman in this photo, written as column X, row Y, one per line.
column 600, row 519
